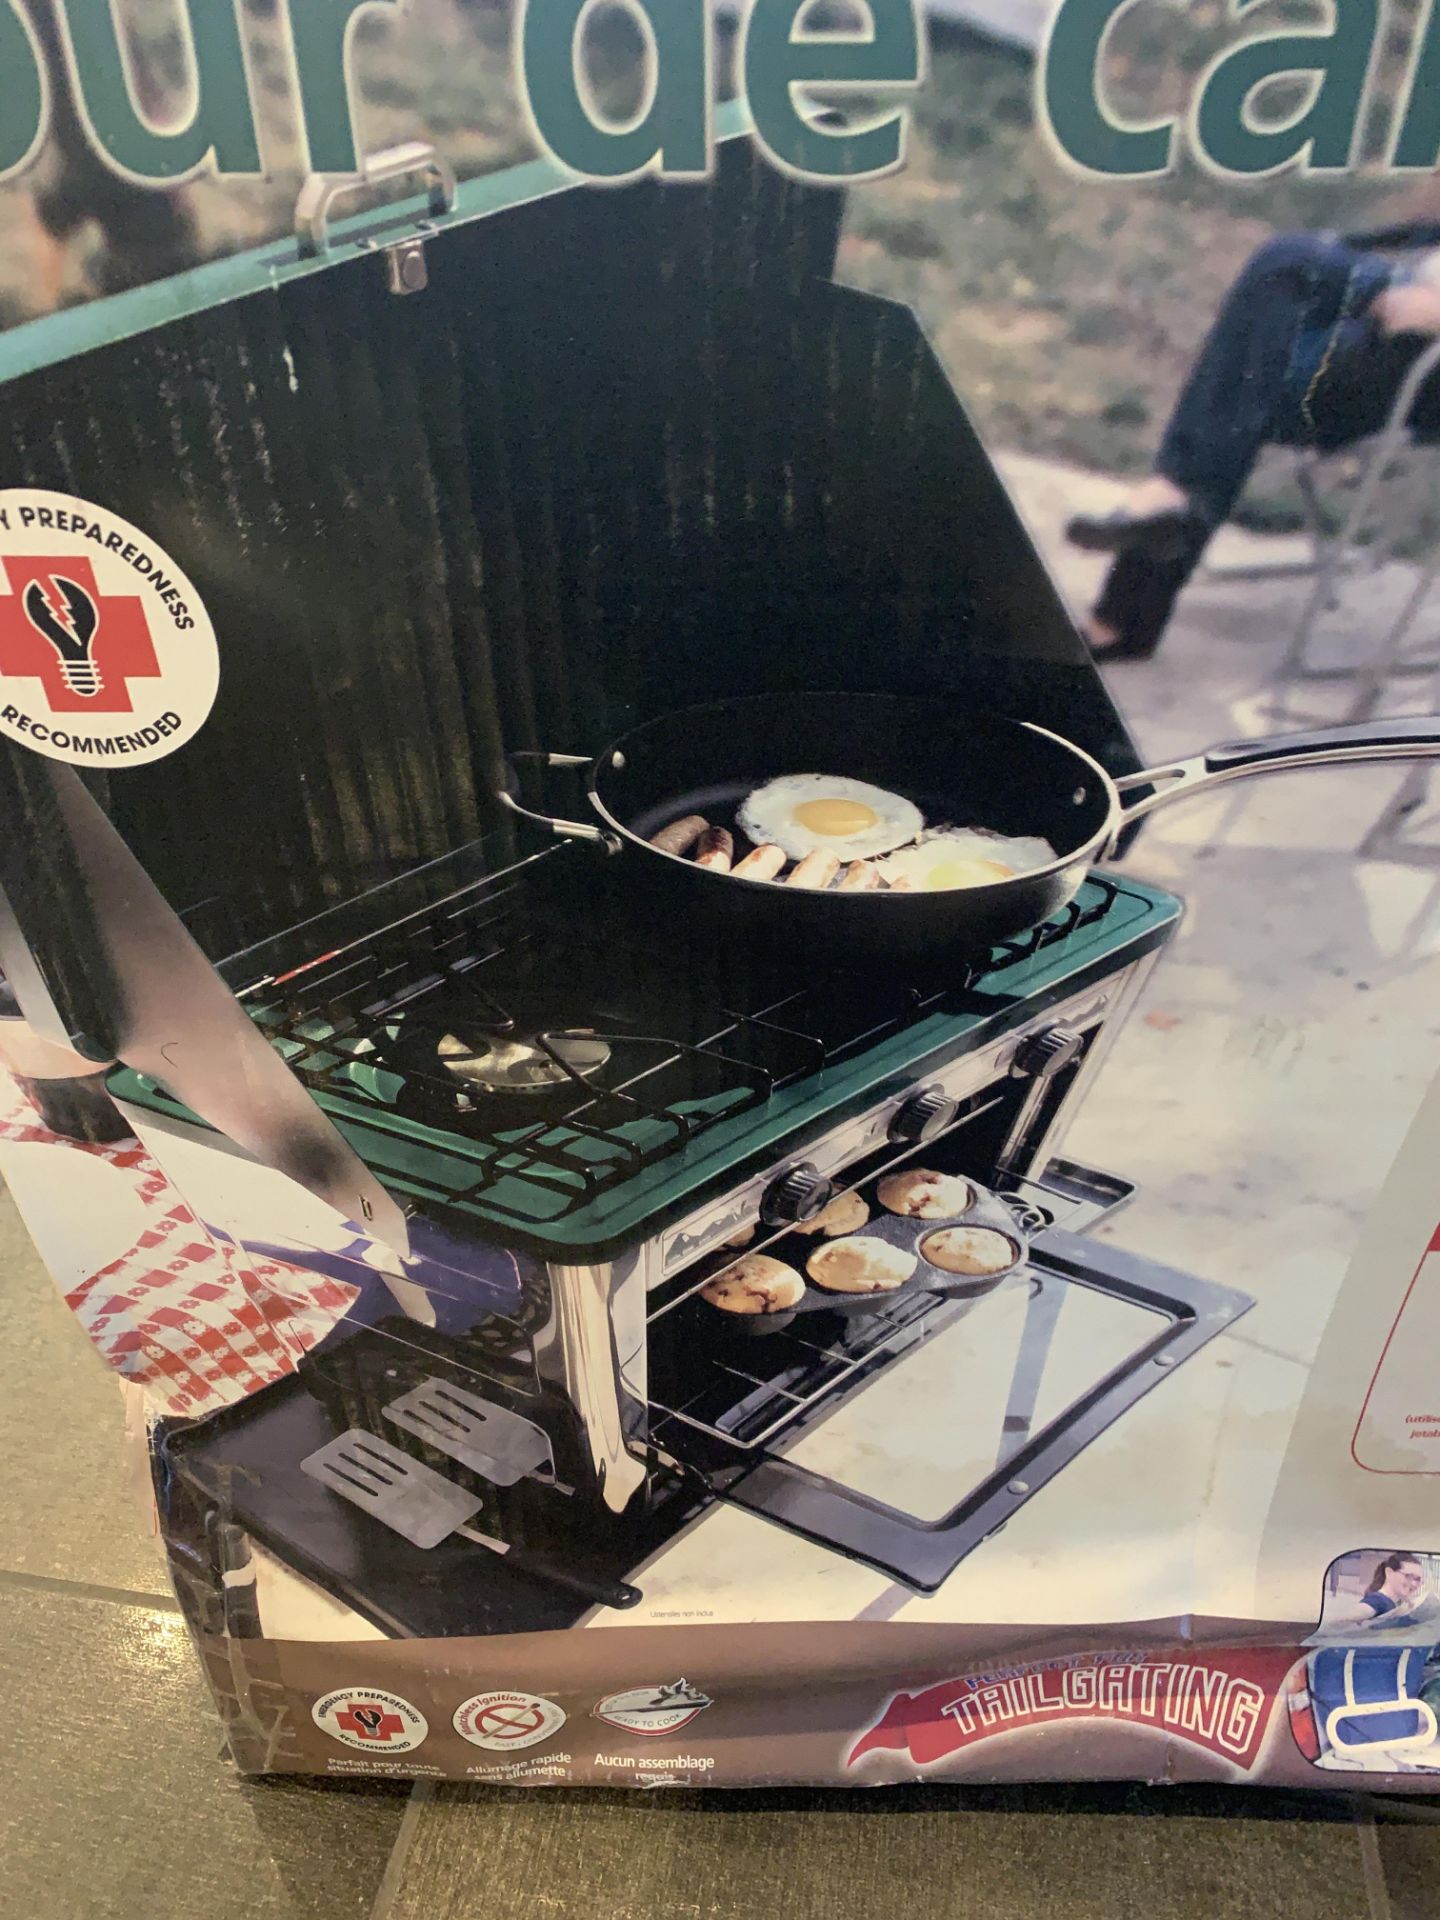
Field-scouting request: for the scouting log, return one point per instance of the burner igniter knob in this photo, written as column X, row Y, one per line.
column 1047, row 1053
column 923, row 1117
column 800, row 1193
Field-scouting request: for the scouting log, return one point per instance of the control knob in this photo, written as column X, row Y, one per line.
column 800, row 1193
column 1047, row 1053
column 924, row 1115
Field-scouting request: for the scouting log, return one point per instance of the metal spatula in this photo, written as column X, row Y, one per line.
column 401, row 1493
column 490, row 1440
column 426, row 1508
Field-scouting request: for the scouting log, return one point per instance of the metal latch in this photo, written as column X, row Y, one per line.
column 405, row 264
column 405, row 267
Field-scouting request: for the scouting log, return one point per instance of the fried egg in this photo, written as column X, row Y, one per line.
column 804, row 813
column 964, row 857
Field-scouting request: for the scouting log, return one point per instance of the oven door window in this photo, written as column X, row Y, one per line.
column 968, row 1398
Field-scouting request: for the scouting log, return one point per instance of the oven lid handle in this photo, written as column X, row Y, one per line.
column 321, row 190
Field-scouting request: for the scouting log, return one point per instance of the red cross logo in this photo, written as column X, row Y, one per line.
column 369, row 1722
column 81, row 645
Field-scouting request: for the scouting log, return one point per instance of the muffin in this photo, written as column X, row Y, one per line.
column 977, row 1251
column 919, row 1194
column 860, row 1266
column 756, row 1284
column 846, row 1213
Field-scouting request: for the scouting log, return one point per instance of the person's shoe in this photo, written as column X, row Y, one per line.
column 1125, row 646
column 1108, row 643
column 1162, row 535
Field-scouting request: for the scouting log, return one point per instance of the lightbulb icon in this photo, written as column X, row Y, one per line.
column 70, row 628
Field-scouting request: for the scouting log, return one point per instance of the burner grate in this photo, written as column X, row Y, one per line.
column 567, row 1066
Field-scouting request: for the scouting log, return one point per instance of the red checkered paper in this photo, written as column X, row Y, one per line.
column 198, row 1323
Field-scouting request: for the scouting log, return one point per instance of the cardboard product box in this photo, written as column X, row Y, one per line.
column 566, row 876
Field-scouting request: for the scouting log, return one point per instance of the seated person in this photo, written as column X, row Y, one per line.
column 1309, row 349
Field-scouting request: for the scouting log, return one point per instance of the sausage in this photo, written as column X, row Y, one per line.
column 681, row 835
column 716, row 850
column 765, row 863
column 816, row 870
column 861, row 878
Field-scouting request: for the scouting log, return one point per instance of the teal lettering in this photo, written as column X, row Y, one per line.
column 22, row 91
column 779, row 57
column 1072, row 109
column 221, row 128
column 1322, row 135
column 321, row 32
column 1417, row 144
column 672, row 135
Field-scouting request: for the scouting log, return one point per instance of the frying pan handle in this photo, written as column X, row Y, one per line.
column 1405, row 736
column 1399, row 737
column 563, row 829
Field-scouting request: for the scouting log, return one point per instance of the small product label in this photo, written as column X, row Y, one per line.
column 653, row 1711
column 371, row 1720
column 107, row 656
column 505, row 1722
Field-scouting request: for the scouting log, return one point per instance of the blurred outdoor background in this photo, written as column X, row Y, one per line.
column 1067, row 309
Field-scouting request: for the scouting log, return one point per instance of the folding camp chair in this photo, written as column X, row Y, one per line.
column 1398, row 466
column 1395, row 467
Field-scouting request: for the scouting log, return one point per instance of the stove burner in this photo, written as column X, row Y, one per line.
column 495, row 1064
column 565, row 1066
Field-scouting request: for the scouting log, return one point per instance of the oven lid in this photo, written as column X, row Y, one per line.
column 438, row 506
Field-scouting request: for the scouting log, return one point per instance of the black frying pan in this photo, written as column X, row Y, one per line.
column 961, row 769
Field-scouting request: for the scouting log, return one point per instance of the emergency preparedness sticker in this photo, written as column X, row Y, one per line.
column 371, row 1720
column 504, row 1722
column 107, row 656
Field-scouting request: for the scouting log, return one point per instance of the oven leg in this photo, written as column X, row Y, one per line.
column 886, row 1605
column 1042, row 1315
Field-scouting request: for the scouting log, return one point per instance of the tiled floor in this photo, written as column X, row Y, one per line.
column 115, row 1804
column 72, row 1511
column 1067, row 1853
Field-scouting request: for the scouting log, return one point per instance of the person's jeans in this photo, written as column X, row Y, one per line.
column 1280, row 364
column 1294, row 358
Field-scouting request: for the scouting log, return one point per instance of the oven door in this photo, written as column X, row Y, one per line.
column 978, row 1411
column 904, row 1438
